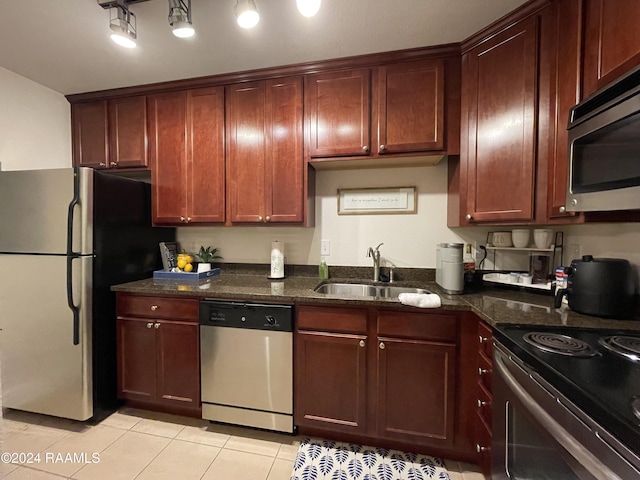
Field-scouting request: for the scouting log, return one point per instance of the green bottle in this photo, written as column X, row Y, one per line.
column 323, row 270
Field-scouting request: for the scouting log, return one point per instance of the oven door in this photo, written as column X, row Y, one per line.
column 538, row 434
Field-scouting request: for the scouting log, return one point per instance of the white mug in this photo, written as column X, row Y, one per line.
column 542, row 237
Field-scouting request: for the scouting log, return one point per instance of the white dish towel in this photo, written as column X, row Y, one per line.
column 422, row 300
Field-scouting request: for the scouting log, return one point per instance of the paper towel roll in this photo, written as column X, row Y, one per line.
column 277, row 259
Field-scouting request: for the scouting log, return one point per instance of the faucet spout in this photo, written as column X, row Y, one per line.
column 375, row 254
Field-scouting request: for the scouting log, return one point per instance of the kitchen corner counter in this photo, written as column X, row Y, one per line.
column 494, row 305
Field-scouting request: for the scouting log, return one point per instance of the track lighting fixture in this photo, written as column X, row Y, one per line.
column 246, row 13
column 123, row 25
column 180, row 18
column 308, row 8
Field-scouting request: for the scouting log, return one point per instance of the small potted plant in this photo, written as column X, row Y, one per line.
column 206, row 255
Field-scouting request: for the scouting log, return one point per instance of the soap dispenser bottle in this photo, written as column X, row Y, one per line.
column 323, row 270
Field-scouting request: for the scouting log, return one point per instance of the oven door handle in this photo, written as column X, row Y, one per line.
column 564, row 438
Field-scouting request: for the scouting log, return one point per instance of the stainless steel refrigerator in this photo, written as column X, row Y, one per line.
column 66, row 236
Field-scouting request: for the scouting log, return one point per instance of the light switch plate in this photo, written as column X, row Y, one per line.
column 325, row 247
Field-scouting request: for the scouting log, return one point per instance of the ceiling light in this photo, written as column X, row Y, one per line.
column 180, row 18
column 308, row 8
column 246, row 13
column 123, row 25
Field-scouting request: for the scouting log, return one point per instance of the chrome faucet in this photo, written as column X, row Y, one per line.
column 375, row 254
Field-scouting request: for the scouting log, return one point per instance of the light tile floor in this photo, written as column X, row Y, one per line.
column 136, row 444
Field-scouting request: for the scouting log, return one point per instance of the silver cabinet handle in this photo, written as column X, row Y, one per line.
column 381, row 345
column 157, row 325
column 361, row 343
column 482, row 371
column 482, row 339
column 114, row 164
column 268, row 219
column 182, row 219
column 469, row 217
column 154, row 308
column 365, row 148
column 481, row 403
column 562, row 209
column 259, row 218
column 382, row 148
column 188, row 219
column 102, row 164
column 480, row 448
column 150, row 324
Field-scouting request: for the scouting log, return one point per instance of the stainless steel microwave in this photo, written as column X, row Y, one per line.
column 604, row 149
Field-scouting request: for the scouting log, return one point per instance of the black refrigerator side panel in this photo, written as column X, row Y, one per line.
column 126, row 249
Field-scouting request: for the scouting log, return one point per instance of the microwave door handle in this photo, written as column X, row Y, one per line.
column 575, row 449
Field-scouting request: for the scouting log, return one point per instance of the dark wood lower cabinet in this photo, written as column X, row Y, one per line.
column 396, row 378
column 159, row 355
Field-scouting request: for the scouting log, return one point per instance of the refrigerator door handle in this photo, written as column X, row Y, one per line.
column 71, row 256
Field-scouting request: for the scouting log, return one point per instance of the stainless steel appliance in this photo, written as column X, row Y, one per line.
column 565, row 404
column 604, row 146
column 604, row 287
column 246, row 364
column 449, row 267
column 66, row 236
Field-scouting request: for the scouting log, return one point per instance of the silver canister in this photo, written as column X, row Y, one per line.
column 450, row 267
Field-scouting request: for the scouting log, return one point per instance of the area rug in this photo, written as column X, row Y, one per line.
column 328, row 460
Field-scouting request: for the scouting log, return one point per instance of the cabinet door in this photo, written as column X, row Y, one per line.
column 128, row 132
column 178, row 363
column 205, row 146
column 500, row 100
column 566, row 90
column 411, row 107
column 284, row 191
column 331, row 381
column 167, row 142
column 339, row 113
column 246, row 151
column 90, row 135
column 136, row 347
column 611, row 41
column 416, row 390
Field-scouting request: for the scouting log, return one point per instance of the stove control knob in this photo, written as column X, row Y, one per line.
column 270, row 319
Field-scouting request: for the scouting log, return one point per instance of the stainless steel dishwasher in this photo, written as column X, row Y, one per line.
column 246, row 364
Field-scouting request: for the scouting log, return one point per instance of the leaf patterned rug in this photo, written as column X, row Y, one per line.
column 329, row 460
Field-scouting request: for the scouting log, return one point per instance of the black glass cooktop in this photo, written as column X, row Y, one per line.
column 603, row 384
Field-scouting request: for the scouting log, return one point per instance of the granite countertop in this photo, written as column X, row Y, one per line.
column 493, row 304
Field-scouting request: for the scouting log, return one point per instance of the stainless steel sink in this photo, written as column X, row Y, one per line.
column 361, row 290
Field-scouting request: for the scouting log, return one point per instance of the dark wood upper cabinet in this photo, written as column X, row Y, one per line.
column 128, row 132
column 90, row 134
column 186, row 131
column 410, row 107
column 499, row 107
column 611, row 41
column 338, row 108
column 265, row 152
column 110, row 133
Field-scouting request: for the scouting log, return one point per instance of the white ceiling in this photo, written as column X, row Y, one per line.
column 65, row 44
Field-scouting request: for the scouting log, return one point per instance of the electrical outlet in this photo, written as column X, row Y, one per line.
column 574, row 251
column 325, row 247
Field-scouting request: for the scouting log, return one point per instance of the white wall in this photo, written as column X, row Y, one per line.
column 409, row 240
column 35, row 125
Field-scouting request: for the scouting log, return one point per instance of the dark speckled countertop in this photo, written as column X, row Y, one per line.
column 492, row 304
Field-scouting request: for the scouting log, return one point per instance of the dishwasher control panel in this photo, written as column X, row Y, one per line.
column 257, row 316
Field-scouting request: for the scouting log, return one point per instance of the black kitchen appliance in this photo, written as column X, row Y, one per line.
column 566, row 403
column 603, row 287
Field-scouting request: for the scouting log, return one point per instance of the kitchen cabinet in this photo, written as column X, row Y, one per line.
column 265, row 165
column 499, row 105
column 611, row 41
column 158, row 353
column 110, row 133
column 331, row 368
column 385, row 376
column 387, row 110
column 484, row 397
column 187, row 156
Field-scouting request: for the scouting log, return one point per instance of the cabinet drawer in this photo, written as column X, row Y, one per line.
column 483, row 447
column 332, row 319
column 418, row 326
column 157, row 307
column 485, row 339
column 485, row 368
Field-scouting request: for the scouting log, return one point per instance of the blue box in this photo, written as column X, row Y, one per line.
column 195, row 276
